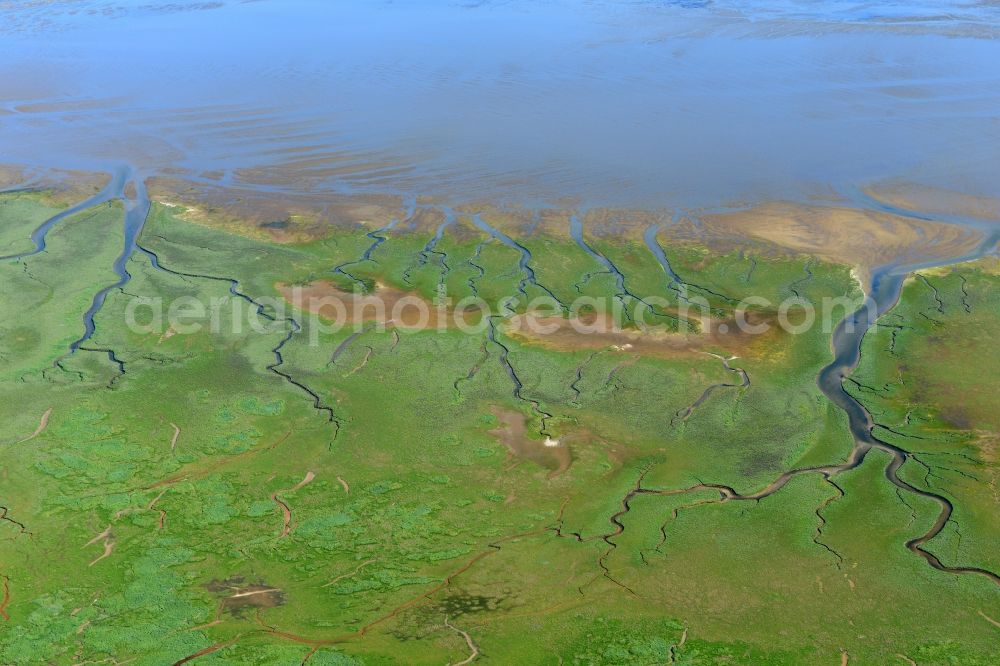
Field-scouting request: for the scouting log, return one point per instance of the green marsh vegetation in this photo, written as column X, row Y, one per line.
column 929, row 373
column 385, row 496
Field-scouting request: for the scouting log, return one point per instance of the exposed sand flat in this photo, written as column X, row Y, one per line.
column 935, row 201
column 64, row 187
column 303, row 172
column 424, row 221
column 464, row 231
column 12, row 176
column 839, row 233
column 518, row 221
column 617, row 224
column 844, row 235
column 290, row 218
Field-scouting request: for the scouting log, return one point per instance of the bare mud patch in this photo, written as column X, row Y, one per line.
column 42, row 424
column 749, row 335
column 600, row 332
column 551, row 454
column 386, row 306
column 236, row 595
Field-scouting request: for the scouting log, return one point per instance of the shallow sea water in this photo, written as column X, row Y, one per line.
column 678, row 104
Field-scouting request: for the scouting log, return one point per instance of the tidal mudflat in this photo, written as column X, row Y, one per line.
column 465, row 339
